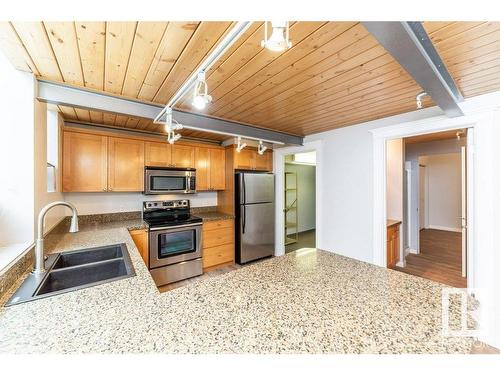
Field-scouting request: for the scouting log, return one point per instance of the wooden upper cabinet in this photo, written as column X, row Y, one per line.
column 182, row 156
column 264, row 162
column 125, row 164
column 250, row 159
column 245, row 159
column 210, row 169
column 84, row 162
column 157, row 154
column 217, row 169
column 202, row 155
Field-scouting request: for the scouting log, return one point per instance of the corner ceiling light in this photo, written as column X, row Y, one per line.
column 240, row 146
column 279, row 40
column 261, row 149
column 200, row 96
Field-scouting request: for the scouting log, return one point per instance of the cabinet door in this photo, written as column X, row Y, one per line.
column 217, row 169
column 183, row 156
column 157, row 154
column 125, row 164
column 84, row 159
column 245, row 159
column 264, row 162
column 202, row 156
column 140, row 238
column 395, row 255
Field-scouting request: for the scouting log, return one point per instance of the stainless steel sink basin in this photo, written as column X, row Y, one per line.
column 75, row 270
column 80, row 257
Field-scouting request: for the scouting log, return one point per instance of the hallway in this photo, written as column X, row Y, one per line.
column 306, row 239
column 440, row 258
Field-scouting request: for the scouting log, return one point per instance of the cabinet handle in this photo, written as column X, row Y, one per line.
column 104, row 189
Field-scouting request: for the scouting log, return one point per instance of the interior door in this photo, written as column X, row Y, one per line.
column 464, row 211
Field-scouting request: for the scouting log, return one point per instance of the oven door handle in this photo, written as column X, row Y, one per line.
column 174, row 227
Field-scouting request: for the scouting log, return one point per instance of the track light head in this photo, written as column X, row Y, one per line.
column 240, row 146
column 261, row 149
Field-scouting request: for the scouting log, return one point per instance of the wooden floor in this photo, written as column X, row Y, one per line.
column 440, row 258
column 306, row 239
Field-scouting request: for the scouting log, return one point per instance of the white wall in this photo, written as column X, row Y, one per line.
column 100, row 203
column 306, row 199
column 394, row 159
column 444, row 192
column 16, row 155
column 42, row 197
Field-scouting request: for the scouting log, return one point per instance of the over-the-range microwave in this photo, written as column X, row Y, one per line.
column 158, row 180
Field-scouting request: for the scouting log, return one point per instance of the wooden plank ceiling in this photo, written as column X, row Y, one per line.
column 336, row 73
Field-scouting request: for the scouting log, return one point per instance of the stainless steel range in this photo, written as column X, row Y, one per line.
column 175, row 236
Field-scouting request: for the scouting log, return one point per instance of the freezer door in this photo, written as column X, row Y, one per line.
column 256, row 188
column 256, row 231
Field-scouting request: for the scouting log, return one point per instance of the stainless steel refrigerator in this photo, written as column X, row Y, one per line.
column 254, row 194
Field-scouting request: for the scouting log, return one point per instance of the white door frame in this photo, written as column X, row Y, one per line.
column 380, row 136
column 279, row 173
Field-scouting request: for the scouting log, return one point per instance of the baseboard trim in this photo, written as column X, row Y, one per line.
column 448, row 229
column 413, row 251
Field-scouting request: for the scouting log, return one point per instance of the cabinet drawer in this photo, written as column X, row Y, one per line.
column 217, row 224
column 216, row 237
column 213, row 256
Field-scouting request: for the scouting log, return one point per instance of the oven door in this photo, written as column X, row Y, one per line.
column 174, row 244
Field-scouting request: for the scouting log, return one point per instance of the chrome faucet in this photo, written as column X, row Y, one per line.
column 39, row 259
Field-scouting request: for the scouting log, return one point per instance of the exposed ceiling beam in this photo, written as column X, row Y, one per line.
column 72, row 96
column 410, row 45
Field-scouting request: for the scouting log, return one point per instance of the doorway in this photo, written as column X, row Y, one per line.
column 433, row 215
column 299, row 212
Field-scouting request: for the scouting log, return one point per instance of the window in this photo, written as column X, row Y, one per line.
column 52, row 150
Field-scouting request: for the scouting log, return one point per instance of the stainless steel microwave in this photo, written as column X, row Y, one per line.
column 159, row 180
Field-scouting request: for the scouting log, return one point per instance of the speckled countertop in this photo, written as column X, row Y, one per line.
column 309, row 301
column 213, row 215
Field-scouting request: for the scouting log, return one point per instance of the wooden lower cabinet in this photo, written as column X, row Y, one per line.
column 392, row 245
column 140, row 237
column 218, row 242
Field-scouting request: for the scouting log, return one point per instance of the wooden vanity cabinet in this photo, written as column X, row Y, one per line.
column 392, row 245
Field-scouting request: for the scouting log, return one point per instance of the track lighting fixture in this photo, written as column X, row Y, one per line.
column 419, row 99
column 240, row 146
column 170, row 127
column 200, row 96
column 261, row 149
column 279, row 39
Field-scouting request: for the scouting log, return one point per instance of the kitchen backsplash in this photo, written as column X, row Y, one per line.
column 105, row 203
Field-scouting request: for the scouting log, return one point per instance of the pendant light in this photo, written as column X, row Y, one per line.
column 279, row 39
column 200, row 95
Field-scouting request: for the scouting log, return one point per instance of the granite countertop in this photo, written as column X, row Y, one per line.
column 391, row 222
column 214, row 215
column 309, row 301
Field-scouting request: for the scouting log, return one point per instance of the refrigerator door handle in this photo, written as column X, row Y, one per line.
column 243, row 221
column 243, row 188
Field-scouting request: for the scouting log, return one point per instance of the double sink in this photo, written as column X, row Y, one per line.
column 75, row 270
